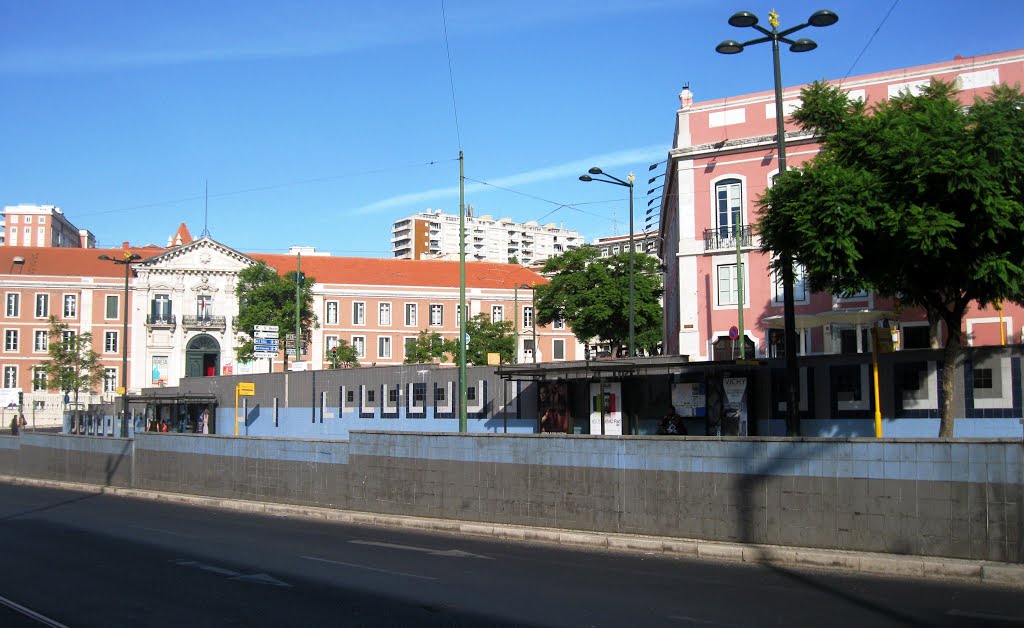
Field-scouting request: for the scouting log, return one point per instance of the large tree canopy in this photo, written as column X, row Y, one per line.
column 72, row 365
column 591, row 294
column 266, row 298
column 919, row 198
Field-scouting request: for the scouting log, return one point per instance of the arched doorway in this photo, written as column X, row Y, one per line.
column 202, row 356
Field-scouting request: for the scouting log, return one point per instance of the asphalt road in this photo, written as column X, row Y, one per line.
column 76, row 559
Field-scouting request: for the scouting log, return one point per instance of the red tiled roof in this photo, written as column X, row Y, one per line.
column 65, row 262
column 403, row 272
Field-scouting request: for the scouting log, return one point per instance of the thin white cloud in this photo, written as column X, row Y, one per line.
column 568, row 171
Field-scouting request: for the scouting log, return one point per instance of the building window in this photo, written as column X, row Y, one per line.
column 110, row 379
column 110, row 342
column 471, row 393
column 161, row 308
column 729, row 201
column 13, row 304
column 70, row 306
column 497, row 313
column 39, row 378
column 982, row 378
column 728, row 289
column 41, row 236
column 436, row 315
column 10, row 377
column 558, row 349
column 419, row 394
column 384, row 314
column 330, row 343
column 11, row 340
column 42, row 341
column 67, row 338
column 358, row 313
column 14, row 237
column 393, row 395
column 28, row 220
column 558, row 323
column 410, row 314
column 528, row 316
column 204, row 306
column 332, row 312
column 384, row 347
column 110, row 307
column 350, row 396
column 410, row 342
column 799, row 285
column 439, row 393
column 359, row 344
column 42, row 305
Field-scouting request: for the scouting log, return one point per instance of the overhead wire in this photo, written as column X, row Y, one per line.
column 870, row 39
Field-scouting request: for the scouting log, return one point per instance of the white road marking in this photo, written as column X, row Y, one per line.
column 28, row 612
column 387, row 571
column 986, row 616
column 262, row 578
column 428, row 550
column 258, row 578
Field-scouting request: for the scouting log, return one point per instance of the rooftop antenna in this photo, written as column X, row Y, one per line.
column 206, row 209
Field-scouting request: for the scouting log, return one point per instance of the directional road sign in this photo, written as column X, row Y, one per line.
column 264, row 328
column 265, row 334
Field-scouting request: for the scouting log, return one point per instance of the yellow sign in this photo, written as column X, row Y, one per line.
column 493, row 359
column 119, row 390
column 246, row 389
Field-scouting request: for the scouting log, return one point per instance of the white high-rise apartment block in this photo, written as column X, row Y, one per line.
column 434, row 235
column 41, row 226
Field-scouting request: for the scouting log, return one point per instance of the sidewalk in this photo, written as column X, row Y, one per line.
column 1002, row 574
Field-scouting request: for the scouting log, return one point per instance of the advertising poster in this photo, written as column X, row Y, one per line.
column 688, row 399
column 553, row 406
column 160, row 370
column 606, row 408
column 736, row 403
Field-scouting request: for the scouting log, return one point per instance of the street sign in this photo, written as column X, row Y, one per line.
column 272, row 328
column 247, row 389
column 269, row 343
column 265, row 334
column 734, row 332
column 264, row 354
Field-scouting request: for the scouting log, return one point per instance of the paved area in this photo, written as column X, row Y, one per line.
column 863, row 562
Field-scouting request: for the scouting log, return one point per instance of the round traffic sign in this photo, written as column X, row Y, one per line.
column 734, row 332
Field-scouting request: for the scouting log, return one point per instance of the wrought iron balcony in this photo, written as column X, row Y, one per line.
column 722, row 238
column 163, row 322
column 206, row 323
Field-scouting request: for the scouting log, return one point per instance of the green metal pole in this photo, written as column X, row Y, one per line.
column 124, row 352
column 298, row 309
column 632, row 254
column 737, row 230
column 515, row 314
column 463, row 424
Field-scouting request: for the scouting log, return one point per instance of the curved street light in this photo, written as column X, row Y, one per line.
column 632, row 250
column 746, row 19
column 127, row 260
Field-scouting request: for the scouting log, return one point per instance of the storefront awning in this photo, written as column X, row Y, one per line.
column 847, row 316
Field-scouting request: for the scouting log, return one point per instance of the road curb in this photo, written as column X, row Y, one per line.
column 1001, row 574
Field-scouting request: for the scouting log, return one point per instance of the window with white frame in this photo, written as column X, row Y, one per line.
column 436, row 315
column 39, row 378
column 110, row 379
column 729, row 207
column 42, row 305
column 162, row 308
column 359, row 344
column 558, row 323
column 332, row 313
column 497, row 313
column 11, row 340
column 10, row 377
column 67, row 338
column 384, row 314
column 410, row 342
column 728, row 286
column 330, row 343
column 110, row 306
column 410, row 314
column 110, row 342
column 41, row 236
column 14, row 237
column 28, row 220
column 558, row 349
column 528, row 316
column 41, row 344
column 70, row 306
column 384, row 347
column 799, row 284
column 204, row 306
column 358, row 313
column 13, row 304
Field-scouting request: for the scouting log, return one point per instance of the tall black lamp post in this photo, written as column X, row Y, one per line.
column 746, row 19
column 632, row 250
column 127, row 260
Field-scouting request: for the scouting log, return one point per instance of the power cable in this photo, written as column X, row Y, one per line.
column 870, row 39
column 451, row 75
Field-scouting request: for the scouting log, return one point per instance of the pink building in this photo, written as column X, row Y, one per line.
column 722, row 160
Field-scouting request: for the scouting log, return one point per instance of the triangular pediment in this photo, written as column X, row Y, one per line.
column 203, row 256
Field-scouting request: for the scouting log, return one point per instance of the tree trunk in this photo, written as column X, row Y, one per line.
column 951, row 361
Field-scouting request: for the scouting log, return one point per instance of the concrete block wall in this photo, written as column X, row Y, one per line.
column 87, row 459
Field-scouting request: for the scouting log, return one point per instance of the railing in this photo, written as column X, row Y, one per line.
column 160, row 323
column 218, row 323
column 725, row 237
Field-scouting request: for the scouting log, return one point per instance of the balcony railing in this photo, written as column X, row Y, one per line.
column 725, row 237
column 209, row 323
column 166, row 322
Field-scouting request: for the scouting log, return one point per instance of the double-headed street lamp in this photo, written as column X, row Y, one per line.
column 745, row 19
column 632, row 250
column 127, row 260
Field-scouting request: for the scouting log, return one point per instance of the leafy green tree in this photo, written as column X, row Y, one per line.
column 430, row 346
column 73, row 367
column 918, row 198
column 591, row 294
column 343, row 356
column 267, row 298
column 487, row 336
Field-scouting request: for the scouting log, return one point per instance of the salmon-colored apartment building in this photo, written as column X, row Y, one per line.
column 723, row 158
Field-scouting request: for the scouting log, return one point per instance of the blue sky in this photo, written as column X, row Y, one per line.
column 319, row 123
